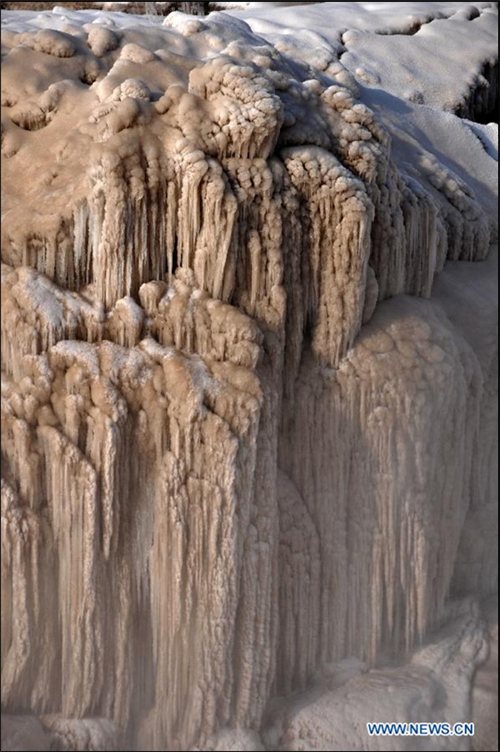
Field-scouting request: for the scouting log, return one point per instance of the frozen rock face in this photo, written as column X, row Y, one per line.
column 228, row 458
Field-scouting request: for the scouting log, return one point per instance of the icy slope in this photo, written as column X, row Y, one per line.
column 390, row 46
column 247, row 431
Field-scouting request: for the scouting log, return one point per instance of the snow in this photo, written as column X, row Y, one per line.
column 488, row 136
column 384, row 17
column 363, row 34
column 388, row 45
column 62, row 17
column 460, row 46
column 254, row 6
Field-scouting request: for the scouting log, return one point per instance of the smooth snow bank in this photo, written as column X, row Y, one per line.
column 488, row 135
column 255, row 6
column 463, row 49
column 419, row 132
column 459, row 38
column 332, row 19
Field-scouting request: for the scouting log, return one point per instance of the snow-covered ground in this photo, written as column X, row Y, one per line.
column 385, row 45
column 459, row 38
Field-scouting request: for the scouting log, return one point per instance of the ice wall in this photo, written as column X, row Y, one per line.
column 228, row 460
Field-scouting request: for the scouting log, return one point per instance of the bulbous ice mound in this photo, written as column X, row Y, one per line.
column 246, row 434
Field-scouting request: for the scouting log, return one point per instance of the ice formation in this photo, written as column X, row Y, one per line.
column 248, row 435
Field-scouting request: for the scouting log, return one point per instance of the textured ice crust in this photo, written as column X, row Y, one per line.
column 249, row 379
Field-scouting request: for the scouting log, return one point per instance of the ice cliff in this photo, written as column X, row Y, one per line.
column 248, row 435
